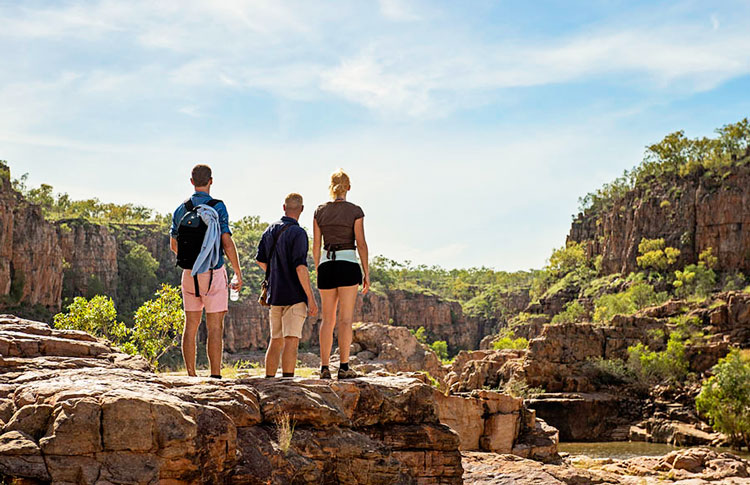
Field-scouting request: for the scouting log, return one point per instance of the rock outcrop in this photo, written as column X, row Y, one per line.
column 580, row 403
column 73, row 409
column 392, row 349
column 692, row 466
column 492, row 421
column 691, row 214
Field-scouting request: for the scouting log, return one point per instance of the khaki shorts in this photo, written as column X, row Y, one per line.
column 287, row 321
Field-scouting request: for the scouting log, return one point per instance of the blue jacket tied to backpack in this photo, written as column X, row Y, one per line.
column 210, row 253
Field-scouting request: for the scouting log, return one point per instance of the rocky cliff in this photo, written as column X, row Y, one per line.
column 73, row 409
column 31, row 259
column 42, row 263
column 691, row 214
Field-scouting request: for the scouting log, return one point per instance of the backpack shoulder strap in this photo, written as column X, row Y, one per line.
column 273, row 247
column 189, row 206
column 213, row 202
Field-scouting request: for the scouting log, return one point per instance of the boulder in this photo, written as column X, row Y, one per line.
column 395, row 349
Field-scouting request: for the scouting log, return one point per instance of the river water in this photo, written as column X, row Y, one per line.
column 622, row 450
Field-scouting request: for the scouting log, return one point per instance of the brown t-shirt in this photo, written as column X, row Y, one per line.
column 336, row 222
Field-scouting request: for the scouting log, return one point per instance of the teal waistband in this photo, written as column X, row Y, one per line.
column 340, row 255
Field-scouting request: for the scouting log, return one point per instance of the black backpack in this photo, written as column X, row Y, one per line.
column 190, row 233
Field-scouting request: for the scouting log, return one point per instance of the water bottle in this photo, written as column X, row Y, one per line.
column 234, row 294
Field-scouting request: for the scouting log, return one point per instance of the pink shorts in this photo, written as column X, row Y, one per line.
column 214, row 299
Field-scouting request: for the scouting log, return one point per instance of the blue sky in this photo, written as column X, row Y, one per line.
column 470, row 129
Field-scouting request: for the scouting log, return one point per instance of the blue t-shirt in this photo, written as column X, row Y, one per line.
column 199, row 198
column 284, row 287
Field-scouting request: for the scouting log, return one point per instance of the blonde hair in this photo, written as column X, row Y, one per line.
column 340, row 184
column 293, row 201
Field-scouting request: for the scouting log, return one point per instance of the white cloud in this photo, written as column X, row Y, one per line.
column 398, row 10
column 428, row 69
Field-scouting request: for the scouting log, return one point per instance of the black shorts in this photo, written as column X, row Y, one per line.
column 334, row 274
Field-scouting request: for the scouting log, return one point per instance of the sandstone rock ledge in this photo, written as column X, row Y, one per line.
column 74, row 410
column 697, row 466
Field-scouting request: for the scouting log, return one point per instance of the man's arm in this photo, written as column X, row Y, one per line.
column 304, row 278
column 231, row 251
column 173, row 244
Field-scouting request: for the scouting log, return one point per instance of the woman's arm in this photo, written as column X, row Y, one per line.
column 317, row 238
column 359, row 235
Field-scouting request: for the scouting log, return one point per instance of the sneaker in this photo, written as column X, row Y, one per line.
column 347, row 374
column 325, row 373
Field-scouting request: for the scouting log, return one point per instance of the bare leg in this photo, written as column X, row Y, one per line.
column 289, row 357
column 192, row 322
column 347, row 300
column 273, row 354
column 329, row 300
column 214, row 343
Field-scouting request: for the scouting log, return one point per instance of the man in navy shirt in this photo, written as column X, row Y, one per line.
column 283, row 246
column 213, row 285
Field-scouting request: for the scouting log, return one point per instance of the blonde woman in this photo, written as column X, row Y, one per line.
column 338, row 227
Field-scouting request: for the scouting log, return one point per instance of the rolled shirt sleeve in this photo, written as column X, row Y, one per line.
column 221, row 209
column 299, row 249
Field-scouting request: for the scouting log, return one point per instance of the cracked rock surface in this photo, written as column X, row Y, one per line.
column 75, row 410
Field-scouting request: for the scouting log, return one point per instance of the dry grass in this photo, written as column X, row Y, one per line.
column 284, row 431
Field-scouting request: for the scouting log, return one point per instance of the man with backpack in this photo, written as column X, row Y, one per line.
column 282, row 254
column 200, row 236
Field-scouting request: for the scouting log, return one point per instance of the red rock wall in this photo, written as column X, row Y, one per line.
column 247, row 327
column 30, row 253
column 691, row 214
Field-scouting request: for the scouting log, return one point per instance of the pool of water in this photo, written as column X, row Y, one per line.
column 622, row 450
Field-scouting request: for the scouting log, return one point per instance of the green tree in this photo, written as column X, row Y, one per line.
column 96, row 316
column 666, row 366
column 420, row 334
column 725, row 398
column 574, row 312
column 246, row 234
column 508, row 342
column 639, row 295
column 137, row 276
column 440, row 347
column 654, row 254
column 694, row 279
column 159, row 323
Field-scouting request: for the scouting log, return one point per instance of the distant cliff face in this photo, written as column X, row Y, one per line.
column 691, row 214
column 247, row 327
column 30, row 253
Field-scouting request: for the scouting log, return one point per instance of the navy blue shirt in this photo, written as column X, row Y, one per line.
column 284, row 287
column 199, row 198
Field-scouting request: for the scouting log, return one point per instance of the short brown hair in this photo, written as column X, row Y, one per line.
column 201, row 175
column 293, row 201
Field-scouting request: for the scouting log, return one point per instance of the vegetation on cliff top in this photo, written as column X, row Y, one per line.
column 61, row 206
column 677, row 156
